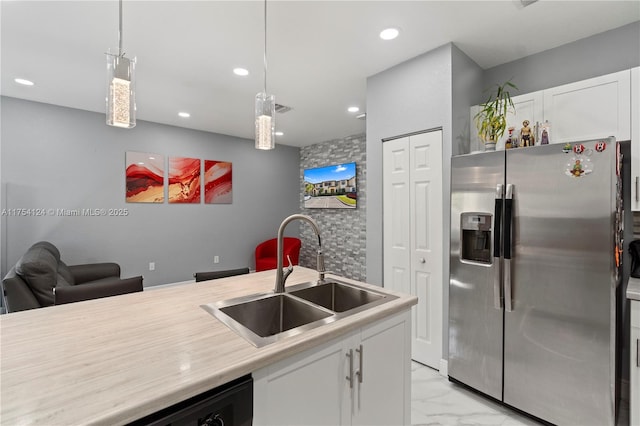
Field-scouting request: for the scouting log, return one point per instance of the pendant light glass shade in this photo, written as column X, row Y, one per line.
column 121, row 84
column 265, row 121
column 121, row 94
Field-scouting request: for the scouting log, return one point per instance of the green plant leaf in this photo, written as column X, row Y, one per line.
column 491, row 120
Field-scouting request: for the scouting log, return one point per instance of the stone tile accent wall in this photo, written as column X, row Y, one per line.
column 636, row 224
column 343, row 230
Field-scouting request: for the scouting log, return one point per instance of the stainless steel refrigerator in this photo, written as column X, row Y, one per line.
column 533, row 294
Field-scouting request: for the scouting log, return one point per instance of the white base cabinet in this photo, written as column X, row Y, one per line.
column 363, row 378
column 634, row 371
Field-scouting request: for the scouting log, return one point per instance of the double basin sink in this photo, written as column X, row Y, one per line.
column 265, row 318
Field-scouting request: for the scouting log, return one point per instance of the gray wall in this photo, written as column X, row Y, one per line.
column 55, row 157
column 466, row 82
column 604, row 53
column 412, row 96
column 343, row 231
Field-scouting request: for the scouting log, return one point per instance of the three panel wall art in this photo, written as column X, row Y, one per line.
column 145, row 179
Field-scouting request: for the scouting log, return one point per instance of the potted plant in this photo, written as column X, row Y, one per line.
column 491, row 120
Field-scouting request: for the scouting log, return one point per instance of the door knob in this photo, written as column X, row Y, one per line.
column 422, row 260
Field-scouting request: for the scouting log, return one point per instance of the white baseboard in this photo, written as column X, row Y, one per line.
column 444, row 367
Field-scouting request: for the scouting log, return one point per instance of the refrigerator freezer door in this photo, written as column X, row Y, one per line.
column 558, row 335
column 475, row 312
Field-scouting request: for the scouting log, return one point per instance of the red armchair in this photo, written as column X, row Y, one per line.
column 267, row 253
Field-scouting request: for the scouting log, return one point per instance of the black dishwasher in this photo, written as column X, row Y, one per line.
column 228, row 405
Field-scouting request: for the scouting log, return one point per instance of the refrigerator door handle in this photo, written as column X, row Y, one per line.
column 508, row 243
column 497, row 227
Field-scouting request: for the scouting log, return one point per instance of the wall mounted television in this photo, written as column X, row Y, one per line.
column 331, row 187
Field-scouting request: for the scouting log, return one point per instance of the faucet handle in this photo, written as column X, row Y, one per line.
column 288, row 270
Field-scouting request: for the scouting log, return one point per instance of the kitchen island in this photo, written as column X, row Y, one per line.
column 118, row 359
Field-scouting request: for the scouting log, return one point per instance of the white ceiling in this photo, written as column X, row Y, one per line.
column 319, row 52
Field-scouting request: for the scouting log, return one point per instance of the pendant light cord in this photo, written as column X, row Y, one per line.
column 120, row 29
column 265, row 46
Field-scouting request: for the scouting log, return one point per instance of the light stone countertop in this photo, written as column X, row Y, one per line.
column 113, row 360
column 633, row 289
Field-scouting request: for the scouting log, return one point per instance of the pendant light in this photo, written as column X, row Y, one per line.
column 121, row 95
column 265, row 106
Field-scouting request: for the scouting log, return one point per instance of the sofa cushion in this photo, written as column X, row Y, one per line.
column 38, row 267
column 62, row 282
column 50, row 247
column 65, row 272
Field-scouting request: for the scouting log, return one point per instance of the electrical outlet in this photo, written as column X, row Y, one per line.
column 216, row 259
column 152, row 266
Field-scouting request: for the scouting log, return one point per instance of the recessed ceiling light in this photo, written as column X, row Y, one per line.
column 279, row 134
column 389, row 33
column 353, row 109
column 23, row 82
column 184, row 114
column 241, row 72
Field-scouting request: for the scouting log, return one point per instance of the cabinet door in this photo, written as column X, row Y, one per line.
column 590, row 109
column 383, row 361
column 526, row 107
column 634, row 371
column 635, row 139
column 304, row 390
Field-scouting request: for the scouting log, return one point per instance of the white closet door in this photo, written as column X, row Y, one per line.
column 413, row 235
column 396, row 235
column 426, row 246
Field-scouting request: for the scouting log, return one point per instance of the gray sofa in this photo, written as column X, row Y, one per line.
column 41, row 279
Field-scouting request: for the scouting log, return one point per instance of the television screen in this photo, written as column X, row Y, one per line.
column 331, row 187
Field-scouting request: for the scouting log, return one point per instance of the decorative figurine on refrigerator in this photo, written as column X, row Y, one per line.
column 511, row 141
column 544, row 137
column 526, row 135
column 577, row 170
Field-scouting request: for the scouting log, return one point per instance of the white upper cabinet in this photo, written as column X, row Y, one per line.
column 635, row 139
column 590, row 109
column 526, row 107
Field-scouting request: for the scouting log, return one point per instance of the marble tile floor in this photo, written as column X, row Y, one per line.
column 437, row 401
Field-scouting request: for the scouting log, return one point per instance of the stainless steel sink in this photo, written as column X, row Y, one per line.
column 275, row 314
column 337, row 297
column 265, row 318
